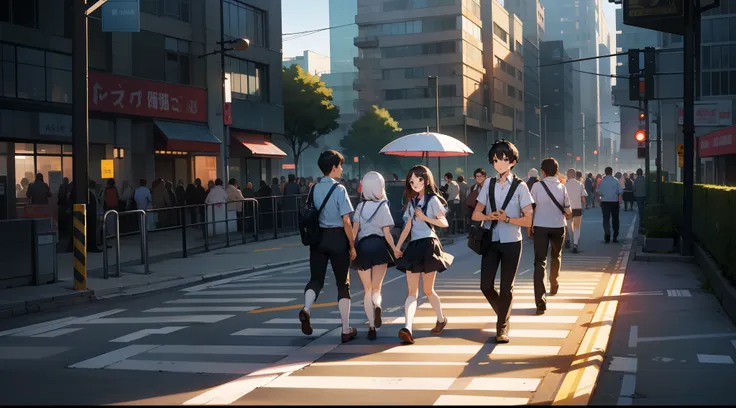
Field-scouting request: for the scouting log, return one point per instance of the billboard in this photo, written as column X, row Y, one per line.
column 709, row 113
column 660, row 15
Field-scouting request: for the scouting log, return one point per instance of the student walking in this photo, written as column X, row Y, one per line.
column 550, row 214
column 576, row 191
column 375, row 247
column 504, row 206
column 424, row 254
column 610, row 191
column 336, row 243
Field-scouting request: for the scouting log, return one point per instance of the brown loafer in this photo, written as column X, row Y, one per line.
column 346, row 337
column 306, row 323
column 372, row 335
column 439, row 327
column 405, row 336
column 502, row 336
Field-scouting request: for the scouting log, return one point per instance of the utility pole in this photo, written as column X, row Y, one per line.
column 582, row 114
column 660, row 196
column 688, row 128
column 80, row 104
column 647, row 162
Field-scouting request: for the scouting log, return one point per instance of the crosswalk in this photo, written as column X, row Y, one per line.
column 460, row 367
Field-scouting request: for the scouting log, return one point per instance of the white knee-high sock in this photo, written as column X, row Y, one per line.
column 434, row 300
column 368, row 306
column 577, row 235
column 377, row 298
column 344, row 306
column 410, row 307
column 309, row 297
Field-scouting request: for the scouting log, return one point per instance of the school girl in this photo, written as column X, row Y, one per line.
column 424, row 254
column 372, row 222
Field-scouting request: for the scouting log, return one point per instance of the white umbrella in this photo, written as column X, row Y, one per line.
column 427, row 144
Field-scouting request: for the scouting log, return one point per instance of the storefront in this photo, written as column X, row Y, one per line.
column 717, row 154
column 161, row 127
column 250, row 157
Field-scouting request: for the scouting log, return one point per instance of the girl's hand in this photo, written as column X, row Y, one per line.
column 420, row 215
column 398, row 253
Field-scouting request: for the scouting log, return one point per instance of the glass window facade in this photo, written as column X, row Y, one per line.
column 247, row 79
column 29, row 73
column 242, row 21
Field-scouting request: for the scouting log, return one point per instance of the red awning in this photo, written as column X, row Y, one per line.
column 718, row 143
column 258, row 145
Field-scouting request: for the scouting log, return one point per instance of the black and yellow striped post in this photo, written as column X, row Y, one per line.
column 80, row 247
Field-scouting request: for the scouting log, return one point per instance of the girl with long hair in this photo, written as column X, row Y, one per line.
column 372, row 223
column 424, row 255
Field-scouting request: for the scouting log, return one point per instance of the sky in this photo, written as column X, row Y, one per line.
column 301, row 15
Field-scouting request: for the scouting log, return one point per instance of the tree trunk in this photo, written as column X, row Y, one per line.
column 296, row 159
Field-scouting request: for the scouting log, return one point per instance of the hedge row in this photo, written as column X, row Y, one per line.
column 714, row 220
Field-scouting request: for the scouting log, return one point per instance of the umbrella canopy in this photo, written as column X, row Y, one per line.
column 427, row 144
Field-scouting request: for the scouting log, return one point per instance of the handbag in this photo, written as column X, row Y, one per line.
column 478, row 237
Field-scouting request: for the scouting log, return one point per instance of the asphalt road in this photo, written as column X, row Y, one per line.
column 238, row 341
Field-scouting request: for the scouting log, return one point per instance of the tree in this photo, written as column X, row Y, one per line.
column 308, row 110
column 368, row 135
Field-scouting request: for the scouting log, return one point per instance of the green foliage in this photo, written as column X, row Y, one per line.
column 308, row 110
column 660, row 226
column 368, row 135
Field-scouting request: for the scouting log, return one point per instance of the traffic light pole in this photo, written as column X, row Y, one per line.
column 660, row 195
column 688, row 122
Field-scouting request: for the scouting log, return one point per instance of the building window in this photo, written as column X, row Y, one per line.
column 446, row 91
column 472, row 29
column 503, row 110
column 444, row 47
column 241, row 21
column 38, row 75
column 403, row 73
column 178, row 61
column 178, row 9
column 394, row 5
column 19, row 12
column 500, row 33
column 422, row 113
column 247, row 79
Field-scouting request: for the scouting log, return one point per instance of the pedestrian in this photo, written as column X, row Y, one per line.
column 424, row 254
column 453, row 200
column 38, row 192
column 511, row 208
column 590, row 189
column 480, row 177
column 629, row 198
column 336, row 245
column 610, row 191
column 640, row 194
column 375, row 248
column 550, row 214
column 576, row 192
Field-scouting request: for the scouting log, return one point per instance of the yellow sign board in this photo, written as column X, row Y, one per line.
column 108, row 169
column 680, row 149
column 680, row 161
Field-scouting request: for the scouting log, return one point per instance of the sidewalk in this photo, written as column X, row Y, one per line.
column 164, row 273
column 672, row 342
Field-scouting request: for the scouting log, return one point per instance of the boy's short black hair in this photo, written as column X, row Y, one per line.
column 609, row 171
column 448, row 175
column 328, row 160
column 578, row 174
column 503, row 148
column 550, row 167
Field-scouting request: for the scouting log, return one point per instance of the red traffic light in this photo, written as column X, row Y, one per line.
column 640, row 136
column 642, row 116
column 595, row 151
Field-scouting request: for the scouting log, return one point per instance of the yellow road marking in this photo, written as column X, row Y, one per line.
column 266, row 249
column 292, row 307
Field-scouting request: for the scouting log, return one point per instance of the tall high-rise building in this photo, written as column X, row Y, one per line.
column 401, row 43
column 310, row 61
column 531, row 14
column 557, row 95
column 578, row 23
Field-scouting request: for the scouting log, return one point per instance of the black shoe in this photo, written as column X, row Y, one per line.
column 346, row 337
column 615, row 240
column 306, row 324
column 541, row 308
column 567, row 244
column 405, row 336
column 575, row 249
column 607, row 239
column 372, row 333
column 377, row 317
column 502, row 336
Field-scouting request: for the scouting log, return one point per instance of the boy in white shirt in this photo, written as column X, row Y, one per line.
column 576, row 192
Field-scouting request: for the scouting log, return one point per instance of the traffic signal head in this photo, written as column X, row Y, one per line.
column 642, row 116
column 595, row 152
column 640, row 136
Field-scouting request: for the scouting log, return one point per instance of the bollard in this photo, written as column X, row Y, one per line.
column 80, row 246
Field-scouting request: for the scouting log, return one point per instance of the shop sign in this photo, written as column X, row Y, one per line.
column 108, row 169
column 718, row 143
column 709, row 113
column 51, row 124
column 138, row 97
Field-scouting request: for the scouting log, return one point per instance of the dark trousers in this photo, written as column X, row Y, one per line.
column 641, row 205
column 610, row 210
column 507, row 255
column 544, row 238
column 334, row 248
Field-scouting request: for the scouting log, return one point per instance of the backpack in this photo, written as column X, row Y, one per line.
column 309, row 218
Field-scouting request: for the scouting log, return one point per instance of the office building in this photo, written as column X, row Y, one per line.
column 401, row 43
column 557, row 94
column 531, row 14
column 310, row 61
column 155, row 107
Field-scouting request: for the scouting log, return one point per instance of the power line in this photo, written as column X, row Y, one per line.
column 299, row 34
